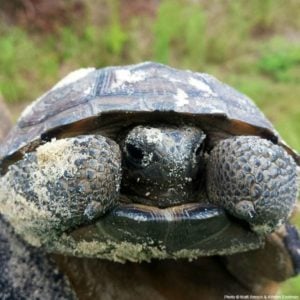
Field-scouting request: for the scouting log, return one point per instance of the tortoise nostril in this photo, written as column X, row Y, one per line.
column 134, row 152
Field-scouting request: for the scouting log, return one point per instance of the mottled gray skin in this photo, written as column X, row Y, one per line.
column 64, row 184
column 254, row 180
column 161, row 165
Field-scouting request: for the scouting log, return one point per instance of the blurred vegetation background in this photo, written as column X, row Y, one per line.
column 251, row 45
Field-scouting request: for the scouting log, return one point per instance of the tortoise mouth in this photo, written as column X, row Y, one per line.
column 198, row 228
column 177, row 213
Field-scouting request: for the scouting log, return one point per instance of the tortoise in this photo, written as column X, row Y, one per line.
column 144, row 162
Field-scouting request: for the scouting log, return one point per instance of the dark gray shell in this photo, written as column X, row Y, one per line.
column 113, row 98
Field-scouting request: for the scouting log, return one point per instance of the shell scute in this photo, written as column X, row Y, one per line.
column 61, row 98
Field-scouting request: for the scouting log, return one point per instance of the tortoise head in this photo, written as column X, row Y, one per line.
column 162, row 166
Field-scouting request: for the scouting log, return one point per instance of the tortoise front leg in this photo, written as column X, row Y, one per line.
column 254, row 179
column 65, row 183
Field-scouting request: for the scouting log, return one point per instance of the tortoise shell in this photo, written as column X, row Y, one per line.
column 113, row 98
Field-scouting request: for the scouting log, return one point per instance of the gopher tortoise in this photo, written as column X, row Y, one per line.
column 145, row 162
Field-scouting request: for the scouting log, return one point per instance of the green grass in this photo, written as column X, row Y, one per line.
column 291, row 287
column 252, row 45
column 281, row 60
column 26, row 66
column 184, row 38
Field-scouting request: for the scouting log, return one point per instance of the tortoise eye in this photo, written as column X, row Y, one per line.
column 135, row 152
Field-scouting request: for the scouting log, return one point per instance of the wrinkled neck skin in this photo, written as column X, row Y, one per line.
column 163, row 166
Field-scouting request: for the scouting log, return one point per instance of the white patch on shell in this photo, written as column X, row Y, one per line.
column 73, row 76
column 123, row 76
column 29, row 108
column 181, row 97
column 200, row 85
column 217, row 111
column 70, row 78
